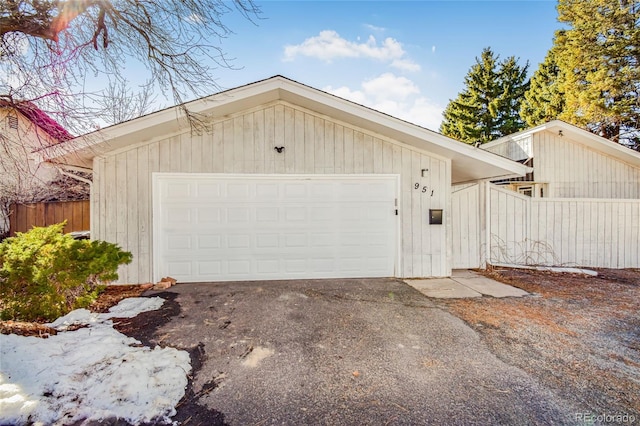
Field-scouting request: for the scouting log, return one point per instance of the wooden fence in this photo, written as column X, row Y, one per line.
column 563, row 231
column 25, row 216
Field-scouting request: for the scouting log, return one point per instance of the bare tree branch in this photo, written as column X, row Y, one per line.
column 51, row 51
column 66, row 45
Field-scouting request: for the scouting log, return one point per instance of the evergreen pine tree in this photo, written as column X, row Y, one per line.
column 488, row 107
column 544, row 101
column 514, row 84
column 599, row 59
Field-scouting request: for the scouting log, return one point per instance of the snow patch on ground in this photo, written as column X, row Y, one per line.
column 93, row 373
column 127, row 308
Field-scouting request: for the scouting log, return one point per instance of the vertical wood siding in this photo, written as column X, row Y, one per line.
column 571, row 232
column 576, row 171
column 465, row 226
column 244, row 143
column 516, row 150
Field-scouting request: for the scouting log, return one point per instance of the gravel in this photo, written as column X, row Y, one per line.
column 580, row 337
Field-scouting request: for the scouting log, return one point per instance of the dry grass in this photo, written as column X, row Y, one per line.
column 577, row 334
column 114, row 294
column 108, row 298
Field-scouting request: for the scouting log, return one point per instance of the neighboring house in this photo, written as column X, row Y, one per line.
column 24, row 128
column 569, row 162
column 284, row 181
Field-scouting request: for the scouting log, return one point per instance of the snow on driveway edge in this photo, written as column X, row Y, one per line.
column 93, row 373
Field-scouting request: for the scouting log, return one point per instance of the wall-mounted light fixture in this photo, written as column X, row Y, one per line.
column 423, row 171
column 435, row 216
column 560, row 133
column 279, row 149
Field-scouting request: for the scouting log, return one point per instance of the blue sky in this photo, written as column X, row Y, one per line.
column 404, row 58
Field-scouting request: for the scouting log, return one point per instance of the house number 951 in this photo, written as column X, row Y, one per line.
column 423, row 190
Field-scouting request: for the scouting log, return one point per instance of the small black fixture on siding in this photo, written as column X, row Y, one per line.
column 279, row 149
column 435, row 216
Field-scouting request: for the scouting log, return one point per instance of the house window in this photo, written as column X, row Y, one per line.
column 526, row 190
column 12, row 122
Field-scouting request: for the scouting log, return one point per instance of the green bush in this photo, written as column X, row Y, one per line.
column 45, row 274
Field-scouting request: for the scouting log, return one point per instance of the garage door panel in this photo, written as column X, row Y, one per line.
column 295, row 240
column 179, row 242
column 208, row 214
column 246, row 228
column 179, row 268
column 268, row 266
column 267, row 241
column 267, row 191
column 209, row 190
column 267, row 214
column 295, row 191
column 237, row 191
column 177, row 190
column 242, row 241
column 239, row 266
column 295, row 214
column 210, row 267
column 295, row 265
column 210, row 241
column 322, row 239
column 178, row 215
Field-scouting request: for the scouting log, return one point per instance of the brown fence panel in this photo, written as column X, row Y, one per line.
column 25, row 216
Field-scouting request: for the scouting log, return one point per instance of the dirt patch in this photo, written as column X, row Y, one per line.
column 113, row 294
column 26, row 329
column 144, row 327
column 577, row 334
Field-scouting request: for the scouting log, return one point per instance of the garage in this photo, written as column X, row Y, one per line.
column 277, row 181
column 214, row 227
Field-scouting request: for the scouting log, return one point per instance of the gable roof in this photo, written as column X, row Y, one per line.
column 468, row 162
column 40, row 118
column 578, row 135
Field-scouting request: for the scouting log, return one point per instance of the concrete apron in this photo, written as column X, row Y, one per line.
column 464, row 283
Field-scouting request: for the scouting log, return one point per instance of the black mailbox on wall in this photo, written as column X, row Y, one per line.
column 435, row 216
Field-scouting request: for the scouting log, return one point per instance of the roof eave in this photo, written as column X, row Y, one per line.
column 470, row 163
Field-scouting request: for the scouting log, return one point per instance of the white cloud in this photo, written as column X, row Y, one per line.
column 371, row 27
column 390, row 86
column 329, row 45
column 433, row 49
column 356, row 96
column 405, row 65
column 396, row 96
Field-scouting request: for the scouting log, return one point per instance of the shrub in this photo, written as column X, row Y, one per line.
column 45, row 274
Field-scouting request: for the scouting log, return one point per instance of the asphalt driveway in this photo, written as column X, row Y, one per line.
column 342, row 352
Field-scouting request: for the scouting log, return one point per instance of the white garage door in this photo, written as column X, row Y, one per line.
column 223, row 228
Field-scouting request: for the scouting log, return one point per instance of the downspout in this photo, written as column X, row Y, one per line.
column 61, row 168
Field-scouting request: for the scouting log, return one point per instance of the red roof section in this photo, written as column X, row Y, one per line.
column 41, row 119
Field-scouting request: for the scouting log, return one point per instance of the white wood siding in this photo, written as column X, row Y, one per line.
column 571, row 232
column 515, row 149
column 244, row 143
column 465, row 226
column 509, row 227
column 576, row 171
